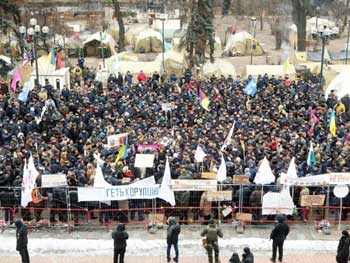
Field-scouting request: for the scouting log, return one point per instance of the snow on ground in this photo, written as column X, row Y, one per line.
column 139, row 247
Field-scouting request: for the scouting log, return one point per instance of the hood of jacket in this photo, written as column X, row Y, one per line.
column 121, row 227
column 172, row 221
column 18, row 223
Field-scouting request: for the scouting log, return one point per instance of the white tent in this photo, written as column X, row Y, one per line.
column 315, row 24
column 62, row 75
column 148, row 40
column 241, row 44
column 170, row 26
column 218, row 68
column 135, row 67
column 340, row 84
column 106, row 39
column 173, row 62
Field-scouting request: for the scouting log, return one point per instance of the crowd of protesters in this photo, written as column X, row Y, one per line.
column 275, row 123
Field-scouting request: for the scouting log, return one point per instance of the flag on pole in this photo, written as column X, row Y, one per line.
column 52, row 57
column 311, row 160
column 250, row 88
column 30, row 174
column 23, row 96
column 332, row 126
column 199, row 155
column 123, row 153
column 286, row 65
column 16, row 77
column 165, row 191
column 26, row 58
column 228, row 138
column 59, row 61
column 203, row 100
column 264, row 174
column 292, row 170
column 222, row 172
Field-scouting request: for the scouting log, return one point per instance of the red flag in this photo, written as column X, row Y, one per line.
column 59, row 61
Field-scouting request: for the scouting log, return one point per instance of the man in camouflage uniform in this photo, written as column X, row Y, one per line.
column 212, row 232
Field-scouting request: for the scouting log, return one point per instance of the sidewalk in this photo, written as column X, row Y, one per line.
column 319, row 258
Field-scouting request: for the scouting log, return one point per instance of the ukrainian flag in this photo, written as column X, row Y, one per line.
column 52, row 57
column 332, row 126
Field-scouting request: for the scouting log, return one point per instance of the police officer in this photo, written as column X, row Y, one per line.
column 212, row 232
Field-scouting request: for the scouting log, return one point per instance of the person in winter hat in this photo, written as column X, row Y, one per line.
column 119, row 236
column 22, row 240
column 278, row 235
column 343, row 248
column 211, row 233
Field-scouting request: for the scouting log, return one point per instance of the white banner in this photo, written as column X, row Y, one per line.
column 53, row 180
column 322, row 179
column 116, row 140
column 123, row 192
column 144, row 160
column 193, row 185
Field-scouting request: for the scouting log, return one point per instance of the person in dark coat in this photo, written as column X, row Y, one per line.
column 172, row 238
column 247, row 256
column 278, row 235
column 234, row 258
column 212, row 233
column 119, row 236
column 343, row 248
column 22, row 240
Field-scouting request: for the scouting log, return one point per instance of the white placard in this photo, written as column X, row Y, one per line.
column 53, row 180
column 167, row 106
column 341, row 191
column 144, row 160
column 116, row 140
column 193, row 185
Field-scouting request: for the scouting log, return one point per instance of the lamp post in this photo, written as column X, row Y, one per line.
column 347, row 44
column 323, row 37
column 253, row 46
column 31, row 35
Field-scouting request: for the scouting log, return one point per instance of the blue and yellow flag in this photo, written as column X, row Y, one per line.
column 52, row 57
column 332, row 126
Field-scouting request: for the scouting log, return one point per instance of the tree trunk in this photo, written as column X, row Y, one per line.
column 118, row 15
column 299, row 16
column 238, row 7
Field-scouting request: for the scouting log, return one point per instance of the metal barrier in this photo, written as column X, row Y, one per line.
column 66, row 209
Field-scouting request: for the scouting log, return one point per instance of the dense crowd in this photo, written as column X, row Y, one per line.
column 275, row 123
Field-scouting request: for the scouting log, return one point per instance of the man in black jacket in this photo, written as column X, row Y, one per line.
column 22, row 240
column 172, row 238
column 278, row 235
column 247, row 256
column 120, row 236
column 343, row 248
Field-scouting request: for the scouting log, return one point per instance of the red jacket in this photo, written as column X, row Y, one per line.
column 141, row 76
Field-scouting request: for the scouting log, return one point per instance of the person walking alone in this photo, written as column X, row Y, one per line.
column 22, row 240
column 120, row 236
column 278, row 235
column 172, row 238
column 343, row 248
column 212, row 232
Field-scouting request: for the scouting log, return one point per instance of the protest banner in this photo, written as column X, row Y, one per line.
column 318, row 180
column 244, row 217
column 312, row 200
column 193, row 185
column 149, row 147
column 123, row 192
column 208, row 175
column 144, row 160
column 116, row 140
column 240, row 179
column 53, row 180
column 219, row 196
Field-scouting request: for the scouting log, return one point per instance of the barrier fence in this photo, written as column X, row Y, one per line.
column 193, row 207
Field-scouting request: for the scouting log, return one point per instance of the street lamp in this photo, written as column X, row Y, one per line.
column 163, row 18
column 347, row 44
column 31, row 35
column 323, row 37
column 253, row 45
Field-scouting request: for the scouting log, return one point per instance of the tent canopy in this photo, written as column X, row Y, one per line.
column 148, row 40
column 241, row 44
column 106, row 39
column 340, row 84
column 174, row 62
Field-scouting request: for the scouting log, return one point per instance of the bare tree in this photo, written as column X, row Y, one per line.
column 300, row 11
column 118, row 14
